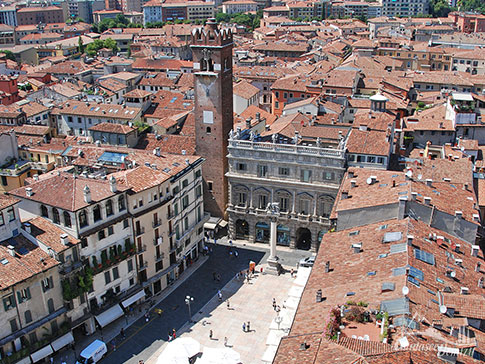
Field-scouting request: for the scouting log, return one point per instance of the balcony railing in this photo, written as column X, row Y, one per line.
column 140, row 231
column 157, row 223
column 141, row 248
column 159, row 257
column 144, row 265
column 170, row 215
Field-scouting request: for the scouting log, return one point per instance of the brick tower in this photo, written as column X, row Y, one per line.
column 212, row 54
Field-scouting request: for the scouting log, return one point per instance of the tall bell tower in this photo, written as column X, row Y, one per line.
column 212, row 55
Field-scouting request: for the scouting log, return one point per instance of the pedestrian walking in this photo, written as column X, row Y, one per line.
column 52, row 360
column 230, row 254
column 249, row 326
column 225, row 340
column 219, row 294
column 230, row 243
column 122, row 333
column 174, row 334
column 244, row 326
column 292, row 272
column 210, row 334
column 228, row 305
column 169, row 336
column 274, row 304
column 236, row 253
column 114, row 344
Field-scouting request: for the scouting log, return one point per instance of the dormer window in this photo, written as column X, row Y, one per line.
column 109, row 208
column 121, row 203
column 55, row 216
column 97, row 213
column 43, row 211
column 83, row 219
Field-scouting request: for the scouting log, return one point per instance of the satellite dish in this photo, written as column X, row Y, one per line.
column 443, row 309
column 369, row 181
column 420, row 176
column 409, row 174
column 405, row 290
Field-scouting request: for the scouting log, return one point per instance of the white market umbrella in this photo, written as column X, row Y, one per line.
column 219, row 356
column 187, row 344
column 173, row 355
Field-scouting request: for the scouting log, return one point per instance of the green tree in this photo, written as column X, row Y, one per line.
column 439, row 8
column 111, row 44
column 9, row 55
column 80, row 45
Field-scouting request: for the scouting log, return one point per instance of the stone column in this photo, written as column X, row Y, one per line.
column 272, row 239
column 274, row 267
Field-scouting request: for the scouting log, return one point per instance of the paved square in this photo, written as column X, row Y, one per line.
column 248, row 302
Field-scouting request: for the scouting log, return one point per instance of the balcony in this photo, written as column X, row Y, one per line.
column 70, row 267
column 157, row 223
column 141, row 249
column 113, row 259
column 159, row 257
column 140, row 231
column 170, row 215
column 143, row 265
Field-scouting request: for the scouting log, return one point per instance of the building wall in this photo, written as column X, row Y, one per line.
column 364, row 216
column 304, row 202
column 40, row 15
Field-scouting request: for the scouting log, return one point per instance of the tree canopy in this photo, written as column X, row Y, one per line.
column 95, row 46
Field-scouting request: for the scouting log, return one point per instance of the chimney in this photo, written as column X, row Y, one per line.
column 353, row 183
column 478, row 267
column 87, row 194
column 327, row 266
column 351, row 174
column 475, row 249
column 187, row 161
column 410, row 239
column 465, row 186
column 27, row 228
column 464, row 290
column 374, row 179
column 363, row 127
column 458, row 214
column 64, row 239
column 476, row 217
column 345, row 195
column 318, row 296
column 427, row 200
column 457, row 248
column 446, row 179
column 441, row 125
column 402, row 207
column 357, row 247
column 156, row 151
column 112, row 184
column 248, row 123
column 258, row 116
column 11, row 250
column 36, row 177
column 414, row 195
column 429, row 182
column 28, row 192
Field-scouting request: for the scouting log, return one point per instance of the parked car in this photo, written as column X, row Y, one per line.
column 307, row 262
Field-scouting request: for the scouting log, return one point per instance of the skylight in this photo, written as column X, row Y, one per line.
column 353, row 233
column 392, row 236
column 398, row 248
column 416, row 273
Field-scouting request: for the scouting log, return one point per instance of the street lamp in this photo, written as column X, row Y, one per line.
column 188, row 300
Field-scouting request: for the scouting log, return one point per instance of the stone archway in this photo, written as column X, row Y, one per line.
column 242, row 229
column 262, row 232
column 303, row 239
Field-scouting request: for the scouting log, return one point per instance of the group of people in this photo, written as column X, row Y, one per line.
column 172, row 335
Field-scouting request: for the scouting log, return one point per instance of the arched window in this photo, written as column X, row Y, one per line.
column 109, row 208
column 67, row 219
column 97, row 213
column 208, row 130
column 43, row 211
column 83, row 218
column 55, row 216
column 121, row 203
column 28, row 316
column 50, row 305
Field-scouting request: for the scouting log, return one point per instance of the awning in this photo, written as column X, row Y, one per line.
column 41, row 354
column 62, row 341
column 25, row 360
column 109, row 315
column 133, row 298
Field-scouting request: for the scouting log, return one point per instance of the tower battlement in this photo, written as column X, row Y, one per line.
column 211, row 35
